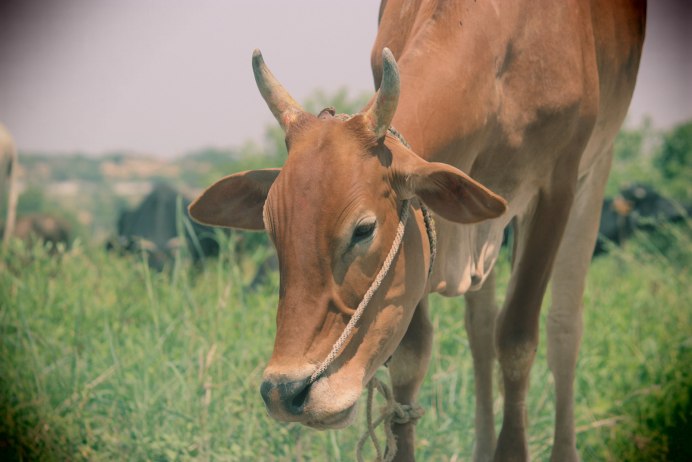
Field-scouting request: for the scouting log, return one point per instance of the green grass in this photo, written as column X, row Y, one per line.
column 102, row 360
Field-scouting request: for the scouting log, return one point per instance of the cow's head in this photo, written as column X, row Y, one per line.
column 332, row 213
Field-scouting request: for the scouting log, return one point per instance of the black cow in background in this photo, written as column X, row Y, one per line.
column 637, row 207
column 154, row 228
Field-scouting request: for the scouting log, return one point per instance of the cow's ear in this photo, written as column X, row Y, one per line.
column 236, row 201
column 449, row 192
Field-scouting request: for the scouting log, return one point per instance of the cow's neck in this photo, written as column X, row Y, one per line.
column 461, row 135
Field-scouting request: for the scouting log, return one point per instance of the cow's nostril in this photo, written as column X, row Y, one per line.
column 299, row 399
column 294, row 395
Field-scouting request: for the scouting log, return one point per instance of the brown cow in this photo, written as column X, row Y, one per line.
column 8, row 175
column 526, row 98
column 45, row 228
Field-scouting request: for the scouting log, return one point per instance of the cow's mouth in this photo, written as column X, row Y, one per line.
column 338, row 420
column 331, row 404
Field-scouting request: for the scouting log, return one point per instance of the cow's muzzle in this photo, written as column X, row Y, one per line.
column 285, row 399
column 316, row 404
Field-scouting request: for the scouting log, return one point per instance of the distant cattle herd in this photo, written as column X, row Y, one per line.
column 160, row 224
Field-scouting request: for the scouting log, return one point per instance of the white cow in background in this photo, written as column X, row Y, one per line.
column 8, row 187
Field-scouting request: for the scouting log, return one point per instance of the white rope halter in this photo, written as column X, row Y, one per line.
column 368, row 295
column 386, row 265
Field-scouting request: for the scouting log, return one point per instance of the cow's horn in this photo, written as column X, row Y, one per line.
column 382, row 111
column 282, row 105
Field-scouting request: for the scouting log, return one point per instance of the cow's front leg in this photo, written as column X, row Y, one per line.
column 539, row 235
column 481, row 312
column 407, row 369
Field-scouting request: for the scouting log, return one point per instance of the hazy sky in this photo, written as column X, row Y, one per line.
column 164, row 77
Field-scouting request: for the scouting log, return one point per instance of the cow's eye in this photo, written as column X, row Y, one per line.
column 363, row 231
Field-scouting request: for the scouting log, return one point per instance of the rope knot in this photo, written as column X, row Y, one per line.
column 391, row 413
column 404, row 413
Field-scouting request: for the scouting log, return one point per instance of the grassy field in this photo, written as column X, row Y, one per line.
column 101, row 359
